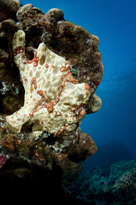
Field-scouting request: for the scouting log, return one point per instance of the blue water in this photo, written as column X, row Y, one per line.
column 114, row 22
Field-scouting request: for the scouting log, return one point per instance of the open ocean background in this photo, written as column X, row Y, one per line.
column 113, row 127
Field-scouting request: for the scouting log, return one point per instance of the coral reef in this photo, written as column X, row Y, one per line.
column 115, row 184
column 50, row 69
column 126, row 181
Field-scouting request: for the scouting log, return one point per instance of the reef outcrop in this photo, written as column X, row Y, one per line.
column 50, row 69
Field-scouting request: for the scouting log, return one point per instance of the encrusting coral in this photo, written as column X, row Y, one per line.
column 54, row 99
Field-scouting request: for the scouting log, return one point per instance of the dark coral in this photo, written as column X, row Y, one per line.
column 47, row 149
column 44, row 161
column 68, row 40
column 8, row 9
column 11, row 89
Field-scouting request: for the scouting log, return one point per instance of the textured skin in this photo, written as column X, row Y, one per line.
column 54, row 100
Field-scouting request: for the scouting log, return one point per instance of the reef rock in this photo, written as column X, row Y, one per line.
column 11, row 89
column 50, row 70
column 93, row 105
column 67, row 40
column 8, row 9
